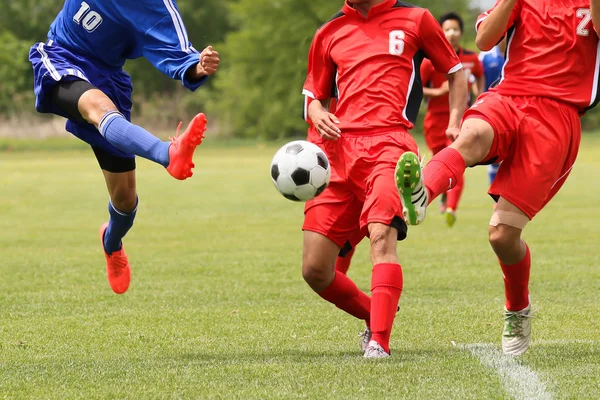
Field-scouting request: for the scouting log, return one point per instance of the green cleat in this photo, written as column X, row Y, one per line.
column 410, row 186
column 450, row 216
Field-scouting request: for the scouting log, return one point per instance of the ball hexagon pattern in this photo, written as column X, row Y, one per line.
column 300, row 170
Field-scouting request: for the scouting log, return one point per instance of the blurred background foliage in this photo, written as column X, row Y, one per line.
column 263, row 46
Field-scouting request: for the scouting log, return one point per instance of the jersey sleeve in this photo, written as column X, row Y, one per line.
column 436, row 47
column 320, row 77
column 167, row 47
column 514, row 15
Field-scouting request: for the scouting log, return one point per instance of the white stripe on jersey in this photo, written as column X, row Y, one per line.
column 507, row 51
column 179, row 27
column 47, row 63
column 308, row 93
column 456, row 68
column 410, row 86
column 596, row 72
column 480, row 20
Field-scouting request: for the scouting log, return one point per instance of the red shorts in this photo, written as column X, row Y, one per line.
column 537, row 140
column 362, row 189
column 434, row 131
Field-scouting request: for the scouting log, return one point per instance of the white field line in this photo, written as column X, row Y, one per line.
column 519, row 381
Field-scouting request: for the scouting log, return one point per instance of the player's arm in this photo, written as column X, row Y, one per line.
column 595, row 10
column 436, row 92
column 444, row 59
column 457, row 82
column 167, row 47
column 318, row 84
column 492, row 25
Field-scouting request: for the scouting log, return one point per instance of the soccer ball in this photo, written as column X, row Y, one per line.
column 300, row 170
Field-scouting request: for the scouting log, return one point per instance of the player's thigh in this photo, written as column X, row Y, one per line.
column 82, row 101
column 382, row 200
column 488, row 129
column 334, row 214
column 542, row 156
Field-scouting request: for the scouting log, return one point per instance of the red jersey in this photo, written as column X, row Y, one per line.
column 434, row 79
column 552, row 51
column 375, row 62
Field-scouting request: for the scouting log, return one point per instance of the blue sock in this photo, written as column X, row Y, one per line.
column 133, row 139
column 492, row 171
column 118, row 225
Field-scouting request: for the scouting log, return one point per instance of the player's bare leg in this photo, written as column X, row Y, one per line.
column 418, row 188
column 318, row 269
column 386, row 287
column 122, row 210
column 505, row 231
column 175, row 155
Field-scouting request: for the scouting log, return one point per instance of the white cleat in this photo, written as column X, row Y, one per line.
column 409, row 181
column 365, row 338
column 517, row 331
column 374, row 350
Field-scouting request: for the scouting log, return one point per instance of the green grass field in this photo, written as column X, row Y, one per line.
column 218, row 308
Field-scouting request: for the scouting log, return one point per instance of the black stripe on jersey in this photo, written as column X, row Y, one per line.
column 468, row 52
column 416, row 91
column 596, row 100
column 335, row 16
column 401, row 4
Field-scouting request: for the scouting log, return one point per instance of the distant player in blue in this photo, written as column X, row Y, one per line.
column 493, row 62
column 78, row 75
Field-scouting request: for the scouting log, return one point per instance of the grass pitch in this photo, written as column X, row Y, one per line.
column 218, row 308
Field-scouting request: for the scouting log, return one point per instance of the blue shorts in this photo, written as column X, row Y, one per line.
column 52, row 64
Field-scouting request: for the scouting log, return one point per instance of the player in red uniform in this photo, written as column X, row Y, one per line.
column 530, row 122
column 342, row 264
column 435, row 90
column 372, row 50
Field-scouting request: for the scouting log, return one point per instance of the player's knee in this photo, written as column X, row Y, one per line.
column 383, row 245
column 94, row 104
column 317, row 276
column 124, row 198
column 503, row 239
column 474, row 142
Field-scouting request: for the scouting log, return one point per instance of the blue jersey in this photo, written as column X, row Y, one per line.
column 109, row 32
column 493, row 62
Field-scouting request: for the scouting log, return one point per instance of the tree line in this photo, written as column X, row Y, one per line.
column 263, row 46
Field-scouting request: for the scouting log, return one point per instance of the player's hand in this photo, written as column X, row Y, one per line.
column 444, row 89
column 326, row 124
column 209, row 61
column 452, row 133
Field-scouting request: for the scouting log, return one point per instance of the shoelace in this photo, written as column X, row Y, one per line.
column 514, row 323
column 173, row 139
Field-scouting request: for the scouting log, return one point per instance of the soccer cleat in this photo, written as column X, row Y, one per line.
column 517, row 331
column 450, row 216
column 412, row 191
column 118, row 270
column 374, row 350
column 181, row 151
column 365, row 338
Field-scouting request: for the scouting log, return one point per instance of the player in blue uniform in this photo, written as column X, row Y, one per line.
column 78, row 75
column 493, row 62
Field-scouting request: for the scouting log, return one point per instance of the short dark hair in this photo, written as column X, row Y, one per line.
column 452, row 16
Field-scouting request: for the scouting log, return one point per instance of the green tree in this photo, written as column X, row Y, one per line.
column 264, row 63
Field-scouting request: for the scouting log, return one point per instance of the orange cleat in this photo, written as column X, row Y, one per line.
column 182, row 148
column 118, row 270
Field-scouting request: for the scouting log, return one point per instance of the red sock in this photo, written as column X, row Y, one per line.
column 343, row 263
column 346, row 296
column 453, row 196
column 516, row 283
column 442, row 172
column 386, row 287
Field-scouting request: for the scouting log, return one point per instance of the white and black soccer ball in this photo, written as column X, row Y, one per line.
column 300, row 170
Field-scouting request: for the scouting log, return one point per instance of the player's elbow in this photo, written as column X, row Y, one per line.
column 484, row 42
